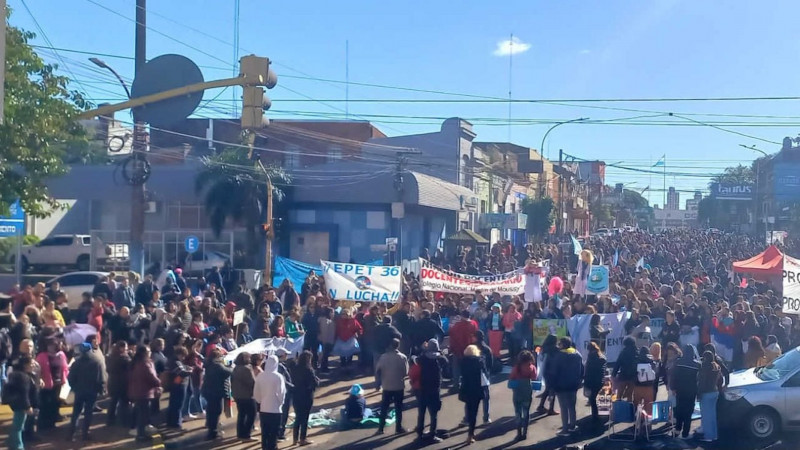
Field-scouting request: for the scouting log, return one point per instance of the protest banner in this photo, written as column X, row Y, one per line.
column 543, row 327
column 432, row 278
column 578, row 327
column 597, row 284
column 293, row 347
column 791, row 285
column 238, row 317
column 362, row 283
column 656, row 325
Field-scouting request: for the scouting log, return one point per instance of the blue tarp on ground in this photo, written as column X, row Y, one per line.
column 297, row 271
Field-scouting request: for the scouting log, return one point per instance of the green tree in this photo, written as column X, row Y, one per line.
column 39, row 122
column 541, row 215
column 235, row 189
column 740, row 174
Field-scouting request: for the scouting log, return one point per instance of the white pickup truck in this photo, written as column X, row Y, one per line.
column 71, row 250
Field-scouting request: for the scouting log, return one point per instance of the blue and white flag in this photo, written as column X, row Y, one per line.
column 640, row 264
column 661, row 162
column 615, row 261
column 576, row 245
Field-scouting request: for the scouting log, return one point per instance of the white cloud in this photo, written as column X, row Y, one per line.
column 511, row 47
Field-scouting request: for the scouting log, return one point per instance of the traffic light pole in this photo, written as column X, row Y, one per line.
column 136, row 250
column 269, row 225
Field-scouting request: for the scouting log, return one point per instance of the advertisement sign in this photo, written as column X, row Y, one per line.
column 361, row 283
column 791, row 285
column 14, row 224
column 597, row 283
column 544, row 327
column 432, row 278
column 731, row 191
column 578, row 327
column 515, row 221
column 787, row 181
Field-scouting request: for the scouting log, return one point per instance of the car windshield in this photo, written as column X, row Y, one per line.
column 784, row 365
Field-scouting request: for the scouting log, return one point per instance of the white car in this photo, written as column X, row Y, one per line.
column 601, row 232
column 70, row 250
column 201, row 262
column 74, row 284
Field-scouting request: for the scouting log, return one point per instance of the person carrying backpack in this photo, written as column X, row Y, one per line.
column 645, row 378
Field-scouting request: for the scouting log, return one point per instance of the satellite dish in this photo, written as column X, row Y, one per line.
column 162, row 74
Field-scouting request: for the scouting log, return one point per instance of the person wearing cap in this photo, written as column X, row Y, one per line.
column 180, row 281
column 282, row 356
column 355, row 406
column 431, row 363
column 86, row 379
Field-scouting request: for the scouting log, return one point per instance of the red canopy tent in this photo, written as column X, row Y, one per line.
column 764, row 266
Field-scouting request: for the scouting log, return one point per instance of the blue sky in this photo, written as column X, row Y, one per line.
column 597, row 49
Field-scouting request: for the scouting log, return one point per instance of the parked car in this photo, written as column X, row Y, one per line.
column 763, row 401
column 73, row 250
column 201, row 262
column 74, row 284
column 601, row 232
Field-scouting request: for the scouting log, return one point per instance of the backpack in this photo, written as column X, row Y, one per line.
column 645, row 372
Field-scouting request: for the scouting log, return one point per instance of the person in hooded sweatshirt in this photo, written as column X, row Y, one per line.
column 269, row 392
column 684, row 385
column 569, row 367
column 624, row 371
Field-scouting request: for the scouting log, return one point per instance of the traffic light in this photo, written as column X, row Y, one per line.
column 255, row 74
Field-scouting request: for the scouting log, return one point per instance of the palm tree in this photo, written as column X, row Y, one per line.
column 235, row 189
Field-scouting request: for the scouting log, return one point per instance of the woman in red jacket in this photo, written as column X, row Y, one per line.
column 143, row 386
column 347, row 329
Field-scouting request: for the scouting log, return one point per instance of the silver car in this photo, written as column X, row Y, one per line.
column 764, row 400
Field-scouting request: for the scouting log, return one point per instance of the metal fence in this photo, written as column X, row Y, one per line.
column 166, row 247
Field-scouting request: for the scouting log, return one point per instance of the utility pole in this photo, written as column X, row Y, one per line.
column 559, row 228
column 269, row 225
column 136, row 250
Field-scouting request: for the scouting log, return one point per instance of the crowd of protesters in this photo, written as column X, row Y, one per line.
column 163, row 335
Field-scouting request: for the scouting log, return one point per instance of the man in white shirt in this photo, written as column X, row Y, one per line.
column 269, row 392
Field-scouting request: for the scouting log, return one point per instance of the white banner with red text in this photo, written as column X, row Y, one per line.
column 435, row 279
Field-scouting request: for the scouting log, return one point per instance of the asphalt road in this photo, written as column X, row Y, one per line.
column 497, row 435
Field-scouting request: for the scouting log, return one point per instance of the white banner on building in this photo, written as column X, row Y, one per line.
column 361, row 283
column 791, row 285
column 432, row 278
column 578, row 327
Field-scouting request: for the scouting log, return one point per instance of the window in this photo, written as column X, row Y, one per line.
column 334, row 154
column 292, row 157
column 78, row 280
column 87, row 240
column 59, row 241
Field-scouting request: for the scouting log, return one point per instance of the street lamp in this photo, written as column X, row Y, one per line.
column 581, row 119
column 101, row 64
column 758, row 172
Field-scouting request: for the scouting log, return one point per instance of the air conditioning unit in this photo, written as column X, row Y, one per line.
column 150, row 207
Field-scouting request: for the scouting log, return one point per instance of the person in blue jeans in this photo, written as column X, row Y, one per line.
column 709, row 383
column 86, row 380
column 20, row 394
